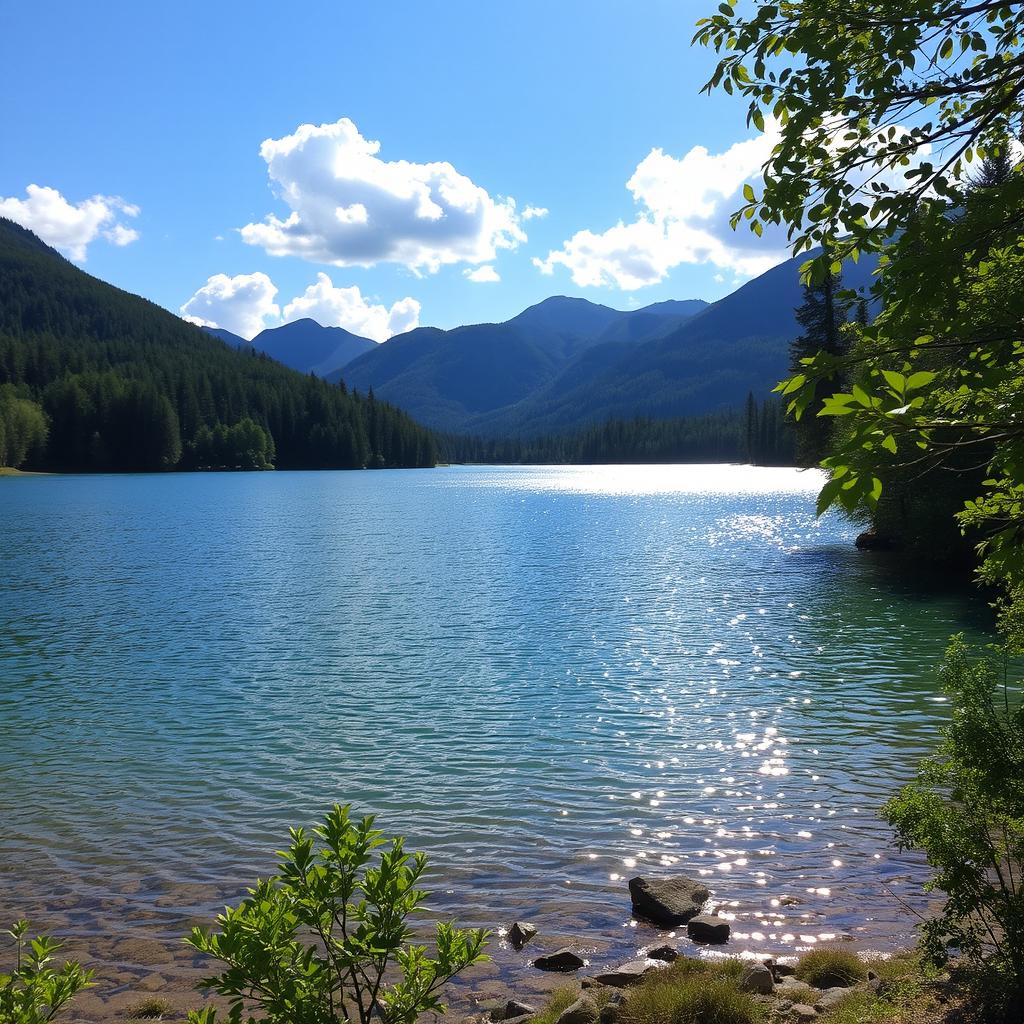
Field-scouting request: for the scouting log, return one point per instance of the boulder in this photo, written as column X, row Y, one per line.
column 626, row 974
column 871, row 541
column 790, row 984
column 512, row 1010
column 666, row 953
column 708, row 929
column 667, row 901
column 520, row 933
column 830, row 998
column 583, row 1011
column 561, row 960
column 758, row 979
column 801, row 1011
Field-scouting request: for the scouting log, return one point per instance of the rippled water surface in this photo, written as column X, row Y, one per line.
column 550, row 678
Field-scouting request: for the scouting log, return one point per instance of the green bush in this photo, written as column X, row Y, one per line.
column 327, row 939
column 829, row 967
column 965, row 811
column 150, row 1008
column 691, row 992
column 35, row 992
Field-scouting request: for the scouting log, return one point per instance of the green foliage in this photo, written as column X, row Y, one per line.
column 328, row 940
column 128, row 386
column 559, row 1000
column 35, row 991
column 23, row 428
column 692, row 992
column 965, row 811
column 828, row 962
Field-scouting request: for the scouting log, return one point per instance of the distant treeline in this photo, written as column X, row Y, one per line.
column 757, row 434
column 92, row 378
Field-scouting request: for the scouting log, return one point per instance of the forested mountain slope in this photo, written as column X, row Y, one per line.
column 125, row 385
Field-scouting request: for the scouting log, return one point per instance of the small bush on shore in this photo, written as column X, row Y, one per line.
column 327, row 939
column 828, row 967
column 691, row 992
column 35, row 992
column 150, row 1008
column 559, row 1000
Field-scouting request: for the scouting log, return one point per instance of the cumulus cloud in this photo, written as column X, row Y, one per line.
column 351, row 208
column 483, row 275
column 70, row 227
column 683, row 217
column 534, row 212
column 243, row 304
column 330, row 306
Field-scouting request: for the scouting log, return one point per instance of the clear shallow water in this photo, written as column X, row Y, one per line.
column 549, row 678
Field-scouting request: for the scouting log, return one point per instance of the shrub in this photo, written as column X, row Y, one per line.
column 829, row 967
column 351, row 894
column 691, row 992
column 965, row 810
column 150, row 1008
column 36, row 992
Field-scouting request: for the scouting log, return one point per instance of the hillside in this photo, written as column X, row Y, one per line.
column 455, row 379
column 125, row 385
column 567, row 363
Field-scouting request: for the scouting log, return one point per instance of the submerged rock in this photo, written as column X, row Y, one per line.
column 758, row 979
column 667, row 901
column 561, row 960
column 708, row 929
column 583, row 1011
column 520, row 933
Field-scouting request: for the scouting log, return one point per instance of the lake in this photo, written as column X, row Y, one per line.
column 550, row 679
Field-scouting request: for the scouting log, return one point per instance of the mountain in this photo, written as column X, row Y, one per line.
column 309, row 348
column 227, row 337
column 452, row 379
column 125, row 385
column 566, row 363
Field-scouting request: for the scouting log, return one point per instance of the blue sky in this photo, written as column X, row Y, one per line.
column 161, row 109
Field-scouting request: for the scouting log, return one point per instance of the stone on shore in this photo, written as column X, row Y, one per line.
column 667, row 901
column 520, row 933
column 627, row 974
column 583, row 1011
column 756, row 978
column 830, row 998
column 801, row 1011
column 561, row 960
column 708, row 929
column 513, row 1010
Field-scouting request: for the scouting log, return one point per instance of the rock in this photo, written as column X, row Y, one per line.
column 583, row 1011
column 871, row 541
column 626, row 974
column 561, row 960
column 666, row 953
column 789, row 984
column 667, row 901
column 837, row 980
column 829, row 998
column 609, row 1013
column 522, row 1019
column 758, row 979
column 513, row 1010
column 520, row 933
column 801, row 1011
column 782, row 970
column 705, row 928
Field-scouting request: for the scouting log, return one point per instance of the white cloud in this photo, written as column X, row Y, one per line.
column 483, row 275
column 345, row 307
column 243, row 304
column 683, row 217
column 350, row 208
column 532, row 212
column 70, row 227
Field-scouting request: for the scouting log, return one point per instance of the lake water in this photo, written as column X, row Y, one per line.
column 550, row 679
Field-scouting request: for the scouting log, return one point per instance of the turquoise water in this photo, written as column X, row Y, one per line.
column 549, row 678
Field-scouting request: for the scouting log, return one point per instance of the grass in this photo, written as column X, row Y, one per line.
column 150, row 1008
column 829, row 966
column 692, row 992
column 559, row 1000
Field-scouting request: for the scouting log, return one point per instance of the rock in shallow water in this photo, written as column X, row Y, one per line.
column 561, row 960
column 667, row 901
column 666, row 953
column 520, row 933
column 708, row 929
column 627, row 974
